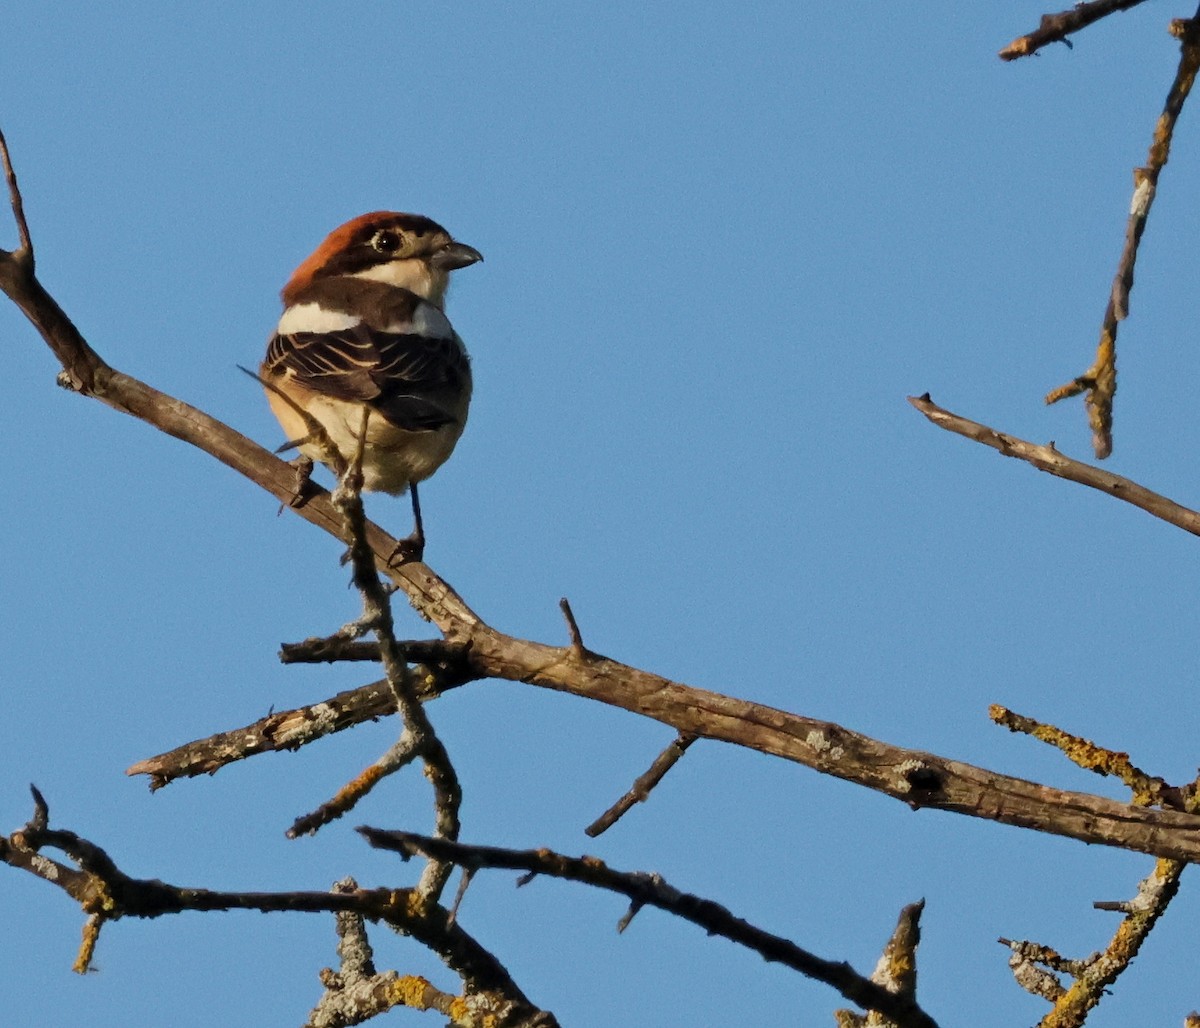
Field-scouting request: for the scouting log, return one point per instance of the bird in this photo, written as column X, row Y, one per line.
column 363, row 329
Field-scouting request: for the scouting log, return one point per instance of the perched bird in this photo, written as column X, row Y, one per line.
column 363, row 326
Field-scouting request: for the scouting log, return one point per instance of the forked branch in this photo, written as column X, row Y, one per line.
column 644, row 890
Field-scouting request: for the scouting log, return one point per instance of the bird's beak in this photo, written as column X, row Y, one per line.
column 453, row 256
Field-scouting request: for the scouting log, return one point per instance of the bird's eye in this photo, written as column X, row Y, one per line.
column 386, row 241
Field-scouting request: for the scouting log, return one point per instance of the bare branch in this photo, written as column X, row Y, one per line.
column 99, row 886
column 356, row 992
column 896, row 970
column 328, row 650
column 1034, row 966
column 1147, row 789
column 644, row 889
column 417, row 737
column 577, row 646
column 639, row 792
column 286, row 730
column 1055, row 28
column 1100, row 380
column 1047, row 458
column 23, row 254
column 915, row 777
column 1095, row 974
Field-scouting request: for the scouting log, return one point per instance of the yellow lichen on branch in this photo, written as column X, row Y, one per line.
column 1100, row 380
column 1147, row 789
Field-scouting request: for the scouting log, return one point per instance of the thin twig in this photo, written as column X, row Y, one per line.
column 1055, row 28
column 577, row 647
column 1094, row 975
column 290, row 729
column 645, row 889
column 1033, row 965
column 1100, row 380
column 1036, row 968
column 1047, row 458
column 316, row 435
column 917, row 778
column 639, row 792
column 1154, row 895
column 1147, row 789
column 356, row 992
column 417, row 737
column 330, row 649
column 98, row 884
column 24, row 252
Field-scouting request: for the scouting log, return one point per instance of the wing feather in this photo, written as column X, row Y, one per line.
column 403, row 360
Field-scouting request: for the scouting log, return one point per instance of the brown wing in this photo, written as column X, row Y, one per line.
column 403, row 360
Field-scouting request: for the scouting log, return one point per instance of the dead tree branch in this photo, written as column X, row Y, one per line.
column 917, row 778
column 418, row 739
column 1100, row 380
column 896, row 970
column 1047, row 458
column 1055, row 28
column 356, row 992
column 106, row 893
column 644, row 890
column 1033, row 965
column 639, row 792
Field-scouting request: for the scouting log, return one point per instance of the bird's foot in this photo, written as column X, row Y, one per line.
column 410, row 550
column 301, row 491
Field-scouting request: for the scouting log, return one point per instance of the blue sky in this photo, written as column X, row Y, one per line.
column 722, row 244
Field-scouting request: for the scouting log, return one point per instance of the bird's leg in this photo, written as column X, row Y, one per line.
column 411, row 548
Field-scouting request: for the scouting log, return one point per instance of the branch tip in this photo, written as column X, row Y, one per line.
column 41, row 810
column 23, row 254
column 577, row 647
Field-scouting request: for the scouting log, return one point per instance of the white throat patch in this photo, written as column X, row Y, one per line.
column 409, row 273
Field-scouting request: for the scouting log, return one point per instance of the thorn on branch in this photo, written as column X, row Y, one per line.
column 464, row 883
column 1118, row 906
column 23, row 254
column 634, row 907
column 40, row 820
column 577, row 648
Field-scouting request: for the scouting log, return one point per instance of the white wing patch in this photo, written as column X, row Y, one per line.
column 312, row 317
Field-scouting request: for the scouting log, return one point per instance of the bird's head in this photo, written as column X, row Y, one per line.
column 406, row 250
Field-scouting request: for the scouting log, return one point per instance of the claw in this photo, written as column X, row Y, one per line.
column 301, row 491
column 412, row 549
